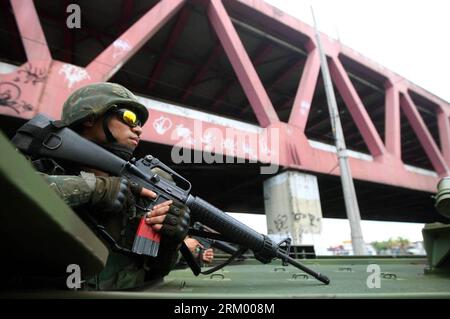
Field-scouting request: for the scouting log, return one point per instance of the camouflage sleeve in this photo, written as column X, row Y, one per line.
column 74, row 190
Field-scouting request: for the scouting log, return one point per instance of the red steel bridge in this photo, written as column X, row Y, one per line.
column 212, row 69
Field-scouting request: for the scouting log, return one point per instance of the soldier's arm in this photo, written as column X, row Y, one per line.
column 104, row 195
column 74, row 190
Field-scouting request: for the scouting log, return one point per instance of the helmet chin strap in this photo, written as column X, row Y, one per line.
column 123, row 151
column 109, row 137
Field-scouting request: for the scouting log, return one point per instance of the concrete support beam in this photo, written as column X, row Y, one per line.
column 292, row 205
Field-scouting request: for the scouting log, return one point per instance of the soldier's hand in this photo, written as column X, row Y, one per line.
column 147, row 193
column 192, row 244
column 111, row 194
column 156, row 216
column 171, row 219
column 141, row 191
column 208, row 255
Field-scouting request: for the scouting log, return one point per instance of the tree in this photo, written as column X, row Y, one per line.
column 394, row 246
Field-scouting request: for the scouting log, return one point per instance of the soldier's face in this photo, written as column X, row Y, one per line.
column 123, row 133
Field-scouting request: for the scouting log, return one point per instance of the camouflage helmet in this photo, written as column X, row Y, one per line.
column 96, row 99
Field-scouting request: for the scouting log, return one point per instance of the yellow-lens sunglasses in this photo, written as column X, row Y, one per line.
column 128, row 117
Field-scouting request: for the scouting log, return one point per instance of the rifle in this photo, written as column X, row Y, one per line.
column 202, row 233
column 198, row 231
column 42, row 137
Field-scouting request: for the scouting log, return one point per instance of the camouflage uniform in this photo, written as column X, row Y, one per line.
column 74, row 190
column 121, row 271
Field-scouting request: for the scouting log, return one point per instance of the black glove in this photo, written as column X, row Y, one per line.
column 112, row 194
column 176, row 224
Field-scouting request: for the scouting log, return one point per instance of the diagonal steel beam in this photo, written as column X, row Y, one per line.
column 175, row 34
column 356, row 108
column 423, row 134
column 241, row 63
column 107, row 63
column 444, row 134
column 305, row 91
column 30, row 29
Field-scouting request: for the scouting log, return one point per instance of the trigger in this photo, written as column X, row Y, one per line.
column 147, row 203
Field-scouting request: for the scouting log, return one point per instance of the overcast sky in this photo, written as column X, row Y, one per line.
column 409, row 37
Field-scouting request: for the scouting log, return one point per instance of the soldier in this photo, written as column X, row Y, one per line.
column 111, row 116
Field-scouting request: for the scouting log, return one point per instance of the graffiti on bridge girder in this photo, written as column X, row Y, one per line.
column 32, row 75
column 10, row 97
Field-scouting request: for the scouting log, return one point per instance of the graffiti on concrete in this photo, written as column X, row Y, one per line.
column 308, row 219
column 31, row 74
column 281, row 222
column 10, row 97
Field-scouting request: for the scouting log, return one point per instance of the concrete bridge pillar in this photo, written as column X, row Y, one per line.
column 292, row 205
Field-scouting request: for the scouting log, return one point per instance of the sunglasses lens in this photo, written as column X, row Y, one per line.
column 130, row 118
